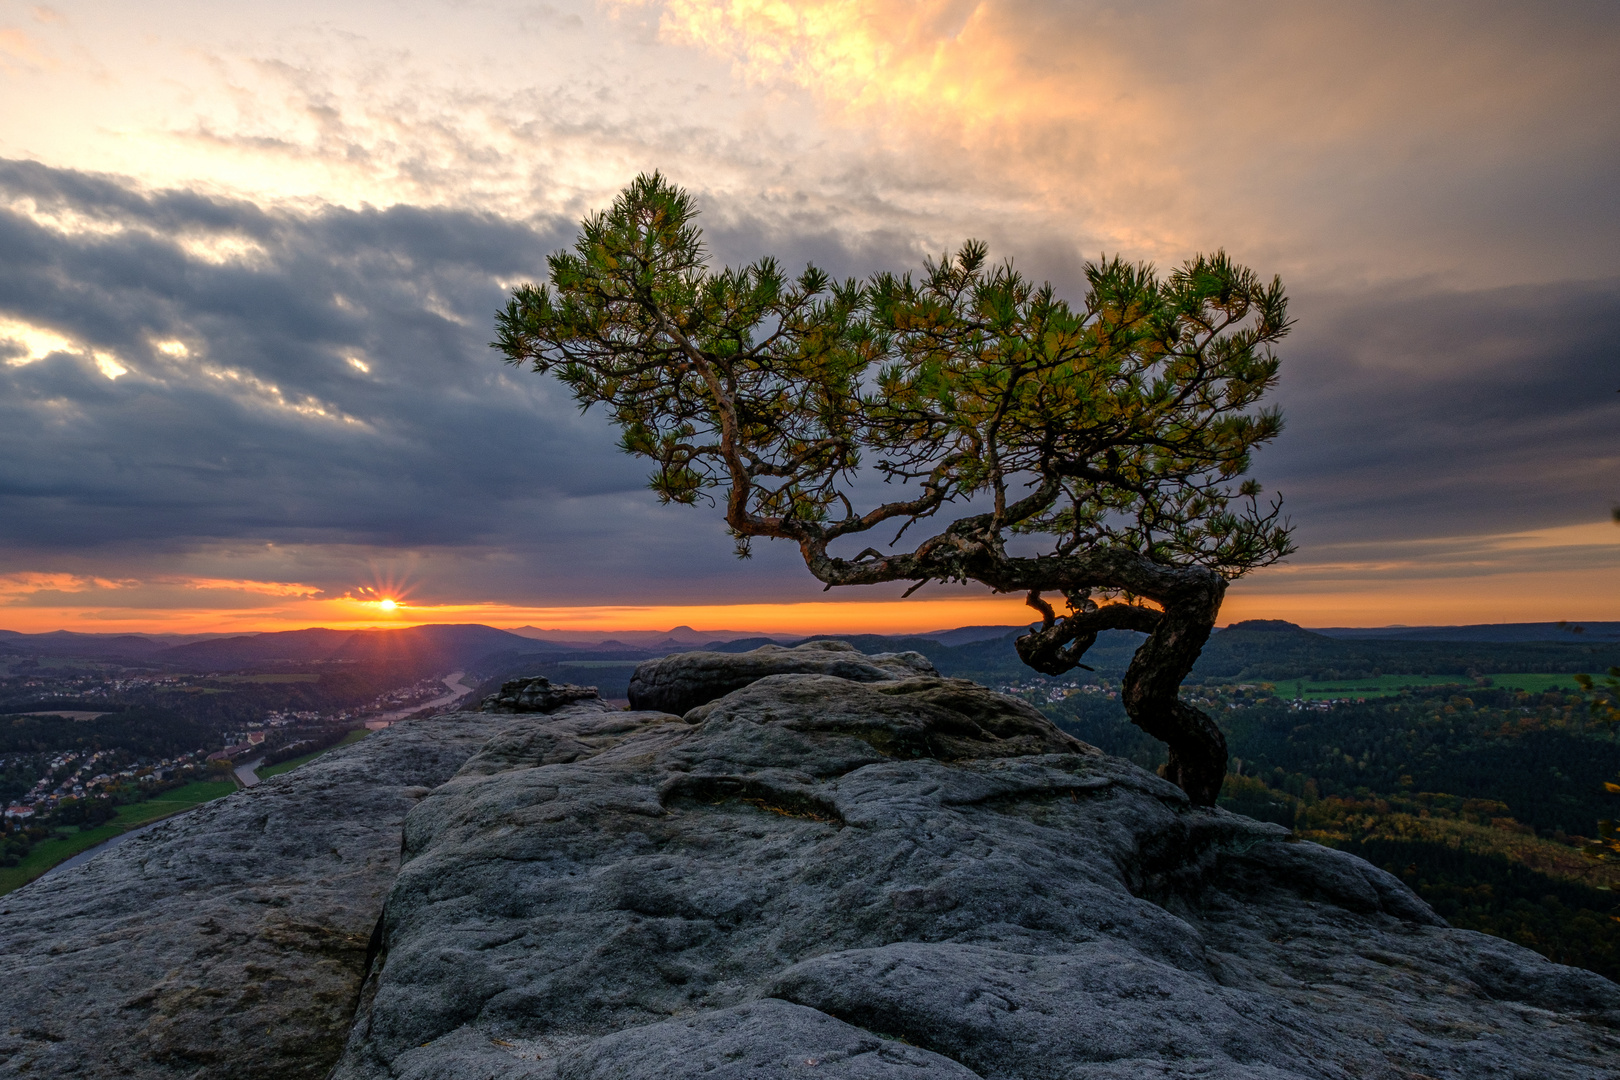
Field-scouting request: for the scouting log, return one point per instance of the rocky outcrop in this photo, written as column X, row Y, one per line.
column 913, row 878
column 535, row 695
column 675, row 684
column 871, row 879
column 230, row 941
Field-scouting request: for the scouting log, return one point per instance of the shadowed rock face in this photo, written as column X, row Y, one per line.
column 675, row 684
column 912, row 878
column 866, row 879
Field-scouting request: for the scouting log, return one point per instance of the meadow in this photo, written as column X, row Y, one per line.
column 59, row 848
column 292, row 763
column 1389, row 685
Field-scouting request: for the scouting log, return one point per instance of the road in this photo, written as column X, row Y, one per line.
column 245, row 774
column 89, row 853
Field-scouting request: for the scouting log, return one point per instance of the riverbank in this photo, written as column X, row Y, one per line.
column 47, row 854
column 452, row 682
column 53, row 854
column 289, row 765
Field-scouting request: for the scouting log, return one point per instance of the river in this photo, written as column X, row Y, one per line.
column 451, row 681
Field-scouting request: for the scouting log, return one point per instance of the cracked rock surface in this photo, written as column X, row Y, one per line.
column 866, row 876
column 230, row 941
column 911, row 877
column 536, row 694
column 675, row 684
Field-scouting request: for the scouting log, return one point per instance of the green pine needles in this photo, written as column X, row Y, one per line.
column 1111, row 437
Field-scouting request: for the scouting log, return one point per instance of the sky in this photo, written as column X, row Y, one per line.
column 250, row 257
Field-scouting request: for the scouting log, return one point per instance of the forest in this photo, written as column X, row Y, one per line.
column 1478, row 795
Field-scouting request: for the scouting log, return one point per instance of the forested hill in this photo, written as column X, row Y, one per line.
column 1273, row 650
column 1269, row 651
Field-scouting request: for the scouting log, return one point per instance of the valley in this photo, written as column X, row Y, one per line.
column 1473, row 769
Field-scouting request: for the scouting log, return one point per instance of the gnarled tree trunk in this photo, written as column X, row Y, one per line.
column 1151, row 692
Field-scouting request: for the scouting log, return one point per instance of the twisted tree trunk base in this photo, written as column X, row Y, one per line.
column 1152, row 687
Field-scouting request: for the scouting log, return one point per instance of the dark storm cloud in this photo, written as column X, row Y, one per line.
column 486, row 477
column 265, row 430
column 1410, row 414
column 1417, row 413
column 229, row 441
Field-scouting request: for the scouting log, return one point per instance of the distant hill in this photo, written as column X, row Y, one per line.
column 68, row 643
column 1259, row 649
column 1271, row 650
column 430, row 647
column 1500, row 632
column 967, row 635
column 679, row 637
column 302, row 645
column 113, row 646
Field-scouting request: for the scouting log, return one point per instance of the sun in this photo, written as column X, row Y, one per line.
column 387, row 605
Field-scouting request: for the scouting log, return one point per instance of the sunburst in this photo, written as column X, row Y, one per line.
column 388, row 594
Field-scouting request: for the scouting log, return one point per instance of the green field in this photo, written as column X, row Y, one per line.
column 1385, row 685
column 292, row 763
column 47, row 853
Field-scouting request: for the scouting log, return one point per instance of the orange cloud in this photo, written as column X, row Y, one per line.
column 27, row 584
column 17, row 46
column 1315, row 136
column 966, row 84
column 39, row 591
column 267, row 588
column 1502, row 598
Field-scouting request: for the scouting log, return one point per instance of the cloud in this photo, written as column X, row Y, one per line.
column 25, row 585
column 1422, row 413
column 19, row 47
column 330, row 392
column 262, row 588
column 306, row 397
column 1470, row 144
column 1369, row 139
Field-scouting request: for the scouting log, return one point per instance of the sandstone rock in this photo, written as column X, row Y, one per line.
column 912, row 877
column 891, row 876
column 681, row 682
column 230, row 941
column 535, row 695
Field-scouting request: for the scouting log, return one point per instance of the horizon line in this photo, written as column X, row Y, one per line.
column 739, row 634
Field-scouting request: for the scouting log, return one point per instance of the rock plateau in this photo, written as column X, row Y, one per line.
column 826, row 865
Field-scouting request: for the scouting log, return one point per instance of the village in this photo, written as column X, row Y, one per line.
column 53, row 781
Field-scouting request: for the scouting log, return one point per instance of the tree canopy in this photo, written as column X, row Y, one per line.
column 1096, row 450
